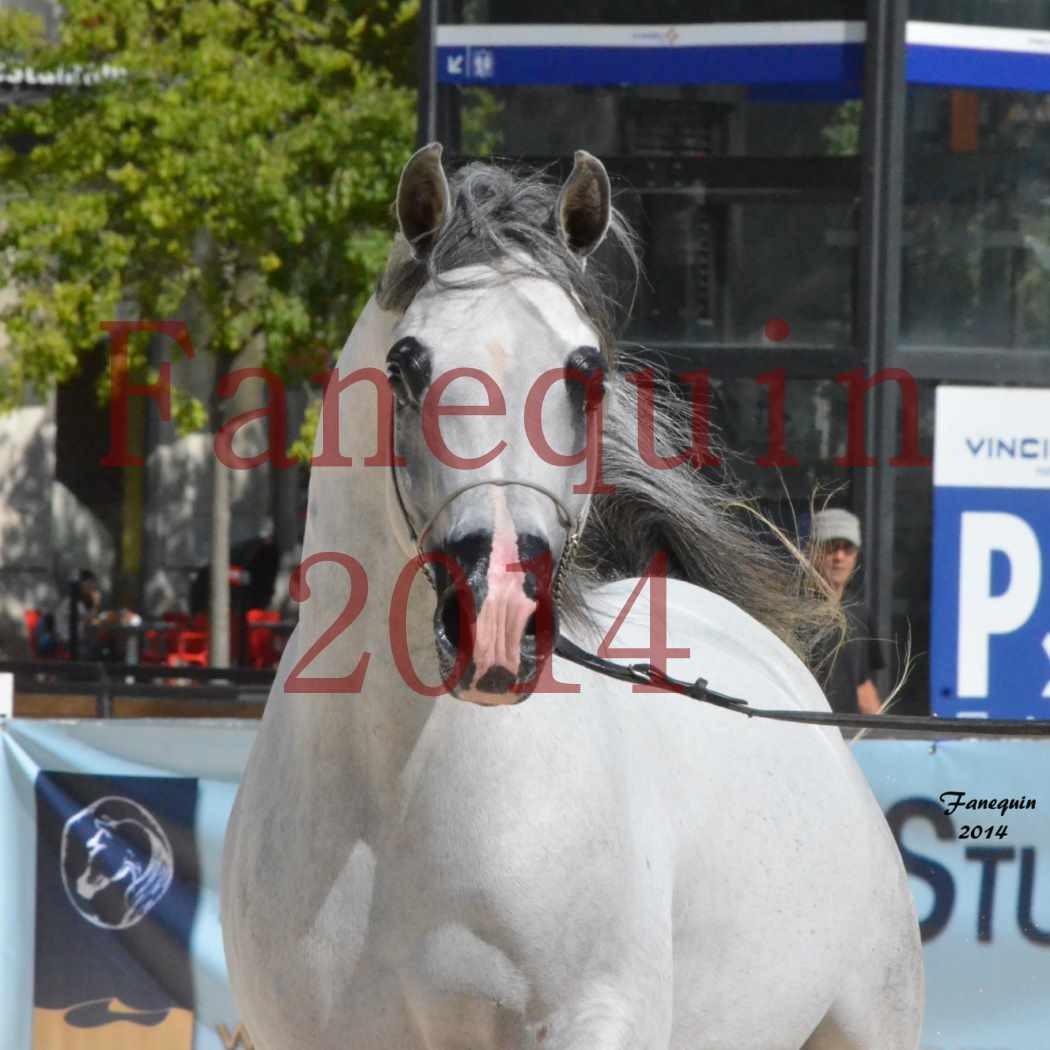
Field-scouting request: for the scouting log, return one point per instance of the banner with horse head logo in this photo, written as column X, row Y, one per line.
column 117, row 876
column 111, row 843
column 110, row 848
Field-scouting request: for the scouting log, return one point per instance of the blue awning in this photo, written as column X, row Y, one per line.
column 978, row 56
column 723, row 53
column 771, row 56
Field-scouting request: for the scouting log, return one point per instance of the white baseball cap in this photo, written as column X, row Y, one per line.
column 835, row 523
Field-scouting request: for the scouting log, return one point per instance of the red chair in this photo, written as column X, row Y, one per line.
column 190, row 645
column 263, row 650
column 154, row 647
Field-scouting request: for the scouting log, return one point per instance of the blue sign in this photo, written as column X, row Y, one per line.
column 990, row 613
column 978, row 56
column 110, row 852
column 770, row 55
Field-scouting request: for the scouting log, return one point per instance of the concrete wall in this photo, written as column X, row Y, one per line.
column 46, row 533
column 178, row 511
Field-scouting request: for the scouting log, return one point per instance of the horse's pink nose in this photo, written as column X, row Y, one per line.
column 500, row 604
column 503, row 619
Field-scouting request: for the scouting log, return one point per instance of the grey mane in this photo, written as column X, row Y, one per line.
column 712, row 535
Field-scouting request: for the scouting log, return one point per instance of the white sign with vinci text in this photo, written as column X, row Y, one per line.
column 990, row 612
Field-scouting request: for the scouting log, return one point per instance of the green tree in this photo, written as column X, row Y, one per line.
column 232, row 160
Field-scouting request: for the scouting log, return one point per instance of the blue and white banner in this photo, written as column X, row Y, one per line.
column 754, row 53
column 990, row 606
column 972, row 818
column 111, row 849
column 110, row 853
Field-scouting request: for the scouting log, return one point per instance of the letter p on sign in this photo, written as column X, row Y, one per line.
column 982, row 612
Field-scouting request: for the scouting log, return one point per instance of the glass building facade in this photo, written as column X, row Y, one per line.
column 821, row 188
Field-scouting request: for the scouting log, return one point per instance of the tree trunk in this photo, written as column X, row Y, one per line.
column 219, row 608
column 219, row 604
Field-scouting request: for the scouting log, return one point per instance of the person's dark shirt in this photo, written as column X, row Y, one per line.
column 857, row 661
column 260, row 557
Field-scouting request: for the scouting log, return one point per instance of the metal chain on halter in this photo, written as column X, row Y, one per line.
column 568, row 557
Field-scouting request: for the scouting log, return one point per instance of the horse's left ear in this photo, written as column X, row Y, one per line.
column 422, row 199
column 584, row 205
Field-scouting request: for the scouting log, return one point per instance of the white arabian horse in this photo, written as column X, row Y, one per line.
column 604, row 870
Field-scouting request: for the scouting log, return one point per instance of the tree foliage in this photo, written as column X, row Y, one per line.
column 239, row 155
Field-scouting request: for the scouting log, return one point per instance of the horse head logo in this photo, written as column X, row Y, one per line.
column 117, row 862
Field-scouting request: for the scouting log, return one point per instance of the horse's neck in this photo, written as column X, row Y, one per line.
column 370, row 733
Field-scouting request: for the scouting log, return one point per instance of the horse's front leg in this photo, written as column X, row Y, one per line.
column 626, row 1012
column 613, row 1014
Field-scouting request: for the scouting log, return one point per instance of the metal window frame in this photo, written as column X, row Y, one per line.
column 878, row 306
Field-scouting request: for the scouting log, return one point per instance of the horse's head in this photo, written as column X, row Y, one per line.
column 497, row 374
column 110, row 858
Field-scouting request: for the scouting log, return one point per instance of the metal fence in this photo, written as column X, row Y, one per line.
column 206, row 688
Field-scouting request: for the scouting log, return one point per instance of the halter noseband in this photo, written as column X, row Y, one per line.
column 573, row 528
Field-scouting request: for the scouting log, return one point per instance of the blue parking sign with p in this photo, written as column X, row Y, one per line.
column 990, row 610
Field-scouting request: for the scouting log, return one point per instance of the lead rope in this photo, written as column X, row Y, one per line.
column 646, row 674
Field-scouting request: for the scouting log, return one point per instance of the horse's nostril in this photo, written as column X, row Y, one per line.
column 530, row 627
column 455, row 619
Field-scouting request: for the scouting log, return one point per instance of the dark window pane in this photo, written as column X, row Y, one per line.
column 1023, row 14
column 743, row 274
column 747, row 210
column 976, row 238
column 814, row 433
column 912, row 556
column 687, row 122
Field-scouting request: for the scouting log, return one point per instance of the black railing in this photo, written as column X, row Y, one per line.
column 107, row 681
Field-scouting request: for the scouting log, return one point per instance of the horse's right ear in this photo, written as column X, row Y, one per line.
column 422, row 199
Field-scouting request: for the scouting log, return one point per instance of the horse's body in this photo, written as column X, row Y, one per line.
column 608, row 870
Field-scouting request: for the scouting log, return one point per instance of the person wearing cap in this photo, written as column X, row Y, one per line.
column 835, row 535
column 83, row 600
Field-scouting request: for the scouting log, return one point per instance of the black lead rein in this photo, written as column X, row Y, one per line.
column 646, row 674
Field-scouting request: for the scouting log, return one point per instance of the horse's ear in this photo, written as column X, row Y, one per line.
column 422, row 199
column 584, row 205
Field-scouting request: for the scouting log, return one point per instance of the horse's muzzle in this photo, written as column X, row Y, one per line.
column 494, row 626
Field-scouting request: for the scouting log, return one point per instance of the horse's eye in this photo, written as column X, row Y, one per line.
column 408, row 369
column 585, row 376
